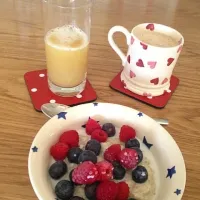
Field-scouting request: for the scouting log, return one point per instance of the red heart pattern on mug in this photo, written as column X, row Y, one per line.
column 170, row 61
column 140, row 63
column 180, row 41
column 147, row 94
column 180, row 48
column 132, row 40
column 155, row 81
column 144, row 46
column 152, row 64
column 150, row 27
column 164, row 81
column 129, row 59
column 123, row 83
column 132, row 74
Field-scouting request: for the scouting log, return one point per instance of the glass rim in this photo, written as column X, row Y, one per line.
column 87, row 4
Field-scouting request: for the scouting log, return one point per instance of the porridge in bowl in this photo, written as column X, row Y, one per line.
column 102, row 162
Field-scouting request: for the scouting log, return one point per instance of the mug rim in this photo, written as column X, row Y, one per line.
column 161, row 25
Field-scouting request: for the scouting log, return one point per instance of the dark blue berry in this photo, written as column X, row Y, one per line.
column 93, row 145
column 118, row 171
column 140, row 154
column 132, row 143
column 90, row 191
column 64, row 189
column 131, row 199
column 73, row 154
column 58, row 169
column 109, row 128
column 76, row 198
column 140, row 174
column 87, row 155
column 70, row 175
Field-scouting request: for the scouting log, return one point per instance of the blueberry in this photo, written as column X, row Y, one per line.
column 90, row 191
column 140, row 174
column 64, row 189
column 58, row 169
column 87, row 155
column 109, row 129
column 70, row 175
column 76, row 198
column 131, row 199
column 118, row 171
column 93, row 145
column 132, row 143
column 140, row 154
column 73, row 154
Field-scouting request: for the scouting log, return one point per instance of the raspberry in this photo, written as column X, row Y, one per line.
column 59, row 151
column 85, row 173
column 91, row 126
column 126, row 133
column 99, row 135
column 112, row 152
column 128, row 158
column 70, row 138
column 107, row 190
column 105, row 170
column 123, row 191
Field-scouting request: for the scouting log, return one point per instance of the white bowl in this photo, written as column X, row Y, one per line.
column 171, row 173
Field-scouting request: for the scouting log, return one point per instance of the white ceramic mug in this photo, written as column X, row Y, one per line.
column 147, row 68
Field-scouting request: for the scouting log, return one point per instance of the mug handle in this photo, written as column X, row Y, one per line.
column 113, row 44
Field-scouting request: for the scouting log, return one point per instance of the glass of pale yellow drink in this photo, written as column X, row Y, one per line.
column 67, row 38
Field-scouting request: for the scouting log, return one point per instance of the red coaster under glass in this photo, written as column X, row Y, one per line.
column 158, row 102
column 40, row 93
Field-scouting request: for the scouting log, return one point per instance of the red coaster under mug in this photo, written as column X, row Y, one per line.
column 40, row 93
column 158, row 101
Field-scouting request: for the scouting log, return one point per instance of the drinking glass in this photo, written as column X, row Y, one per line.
column 67, row 26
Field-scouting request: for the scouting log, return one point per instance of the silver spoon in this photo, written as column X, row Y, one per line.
column 52, row 109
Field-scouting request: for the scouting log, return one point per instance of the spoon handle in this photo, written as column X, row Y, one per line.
column 162, row 121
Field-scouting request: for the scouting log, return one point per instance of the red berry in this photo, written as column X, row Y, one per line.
column 59, row 151
column 99, row 135
column 91, row 126
column 123, row 191
column 105, row 170
column 85, row 173
column 128, row 158
column 70, row 138
column 107, row 190
column 126, row 133
column 112, row 152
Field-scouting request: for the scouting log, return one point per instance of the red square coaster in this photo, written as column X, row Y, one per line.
column 40, row 93
column 158, row 102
